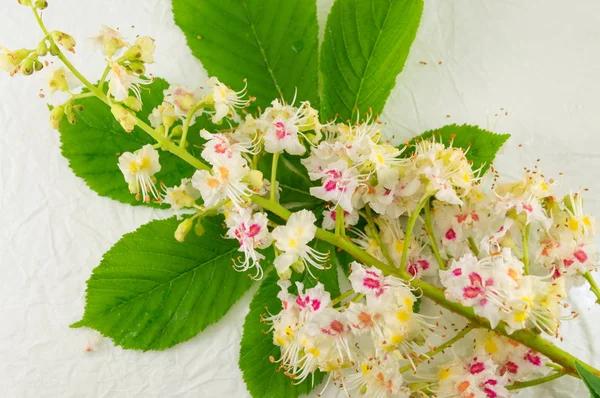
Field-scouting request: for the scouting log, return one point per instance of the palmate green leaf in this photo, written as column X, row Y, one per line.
column 592, row 381
column 482, row 145
column 263, row 378
column 365, row 47
column 151, row 292
column 272, row 43
column 94, row 143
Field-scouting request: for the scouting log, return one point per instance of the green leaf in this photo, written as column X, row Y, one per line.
column 272, row 43
column 94, row 143
column 365, row 47
column 591, row 380
column 482, row 145
column 263, row 378
column 151, row 292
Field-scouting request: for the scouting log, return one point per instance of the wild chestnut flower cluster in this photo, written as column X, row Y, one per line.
column 419, row 211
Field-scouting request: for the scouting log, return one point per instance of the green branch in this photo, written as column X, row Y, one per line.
column 593, row 285
column 536, row 382
column 431, row 236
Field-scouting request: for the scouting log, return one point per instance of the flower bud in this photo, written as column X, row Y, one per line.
column 199, row 228
column 10, row 61
column 65, row 40
column 183, row 229
column 123, row 116
column 133, row 103
column 137, row 68
column 70, row 113
column 142, row 51
column 25, row 2
column 57, row 81
column 255, row 179
column 41, row 4
column 27, row 67
column 287, row 274
column 53, row 49
column 42, row 48
column 177, row 130
column 298, row 266
column 37, row 65
column 56, row 116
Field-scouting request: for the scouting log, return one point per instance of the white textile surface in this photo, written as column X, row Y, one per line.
column 526, row 67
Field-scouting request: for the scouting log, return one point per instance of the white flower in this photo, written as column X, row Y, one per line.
column 164, row 114
column 62, row 80
column 476, row 378
column 182, row 196
column 225, row 100
column 283, row 125
column 122, row 81
column 142, row 50
column 225, row 182
column 183, row 100
column 377, row 378
column 329, row 217
column 252, row 233
column 485, row 285
column 138, row 169
column 219, row 148
column 293, row 238
column 110, row 40
column 338, row 185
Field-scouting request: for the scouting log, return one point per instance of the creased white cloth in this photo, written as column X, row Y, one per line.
column 529, row 68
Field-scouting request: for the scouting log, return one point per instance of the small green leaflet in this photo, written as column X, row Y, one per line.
column 93, row 146
column 592, row 381
column 151, row 292
column 365, row 47
column 263, row 378
column 481, row 145
column 271, row 43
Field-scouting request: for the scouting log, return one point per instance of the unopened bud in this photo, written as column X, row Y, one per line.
column 38, row 66
column 298, row 266
column 70, row 113
column 53, row 49
column 57, row 81
column 177, row 131
column 183, row 229
column 65, row 40
column 255, row 179
column 133, row 103
column 123, row 116
column 56, row 116
column 27, row 66
column 199, row 228
column 285, row 275
column 25, row 2
column 42, row 48
column 41, row 4
column 137, row 68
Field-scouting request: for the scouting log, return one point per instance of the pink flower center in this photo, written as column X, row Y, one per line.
column 253, row 230
column 450, row 234
column 280, row 130
column 533, row 358
column 580, row 256
column 477, row 367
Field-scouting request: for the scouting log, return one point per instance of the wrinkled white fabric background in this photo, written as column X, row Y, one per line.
column 537, row 60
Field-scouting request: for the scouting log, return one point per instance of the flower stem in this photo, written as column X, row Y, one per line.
column 103, row 78
column 186, row 124
column 473, row 246
column 431, row 236
column 375, row 232
column 536, row 382
column 439, row 349
column 274, row 177
column 593, row 285
column 526, row 230
column 342, row 297
column 409, row 230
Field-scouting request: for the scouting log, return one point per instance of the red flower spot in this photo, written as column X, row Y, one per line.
column 580, row 256
column 475, row 278
column 533, row 358
column 280, row 130
column 471, row 292
column 450, row 234
column 457, row 272
column 330, row 185
column 413, row 269
column 424, row 264
column 316, row 304
column 568, row 262
column 527, row 208
column 337, row 326
column 253, row 230
column 511, row 367
column 477, row 367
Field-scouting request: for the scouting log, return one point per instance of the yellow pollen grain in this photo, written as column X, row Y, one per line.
column 573, row 224
column 314, row 352
column 402, row 316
